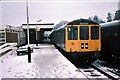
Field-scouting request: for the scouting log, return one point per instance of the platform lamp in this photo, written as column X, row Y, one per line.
column 29, row 49
column 37, row 29
column 28, row 38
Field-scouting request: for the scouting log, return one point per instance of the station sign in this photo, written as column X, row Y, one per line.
column 37, row 29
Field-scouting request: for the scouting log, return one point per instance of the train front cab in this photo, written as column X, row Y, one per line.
column 83, row 41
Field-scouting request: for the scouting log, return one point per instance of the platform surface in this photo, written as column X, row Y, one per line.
column 47, row 62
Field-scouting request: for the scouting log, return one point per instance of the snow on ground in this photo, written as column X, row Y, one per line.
column 0, row 70
column 47, row 62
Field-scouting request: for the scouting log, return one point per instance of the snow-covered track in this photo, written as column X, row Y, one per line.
column 92, row 74
column 111, row 73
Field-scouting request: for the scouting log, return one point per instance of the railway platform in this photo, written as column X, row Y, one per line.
column 46, row 62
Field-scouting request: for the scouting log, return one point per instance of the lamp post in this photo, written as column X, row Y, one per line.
column 27, row 23
column 37, row 33
column 28, row 38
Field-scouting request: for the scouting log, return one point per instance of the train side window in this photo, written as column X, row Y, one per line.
column 94, row 32
column 73, row 33
column 84, row 32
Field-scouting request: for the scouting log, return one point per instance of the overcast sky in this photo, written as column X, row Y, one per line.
column 14, row 11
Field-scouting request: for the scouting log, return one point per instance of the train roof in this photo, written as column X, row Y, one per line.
column 108, row 24
column 60, row 25
column 82, row 21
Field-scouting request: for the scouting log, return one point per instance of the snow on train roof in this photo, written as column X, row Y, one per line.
column 82, row 21
column 60, row 25
column 108, row 24
column 75, row 22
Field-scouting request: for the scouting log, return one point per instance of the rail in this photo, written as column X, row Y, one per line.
column 92, row 74
column 99, row 65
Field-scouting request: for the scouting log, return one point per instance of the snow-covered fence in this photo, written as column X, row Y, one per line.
column 7, row 49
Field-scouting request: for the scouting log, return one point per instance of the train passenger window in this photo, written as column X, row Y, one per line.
column 84, row 32
column 94, row 32
column 73, row 33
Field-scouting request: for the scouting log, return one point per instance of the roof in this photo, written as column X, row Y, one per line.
column 34, row 26
column 41, row 24
column 113, row 23
column 82, row 21
column 60, row 25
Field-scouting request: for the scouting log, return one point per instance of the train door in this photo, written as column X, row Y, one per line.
column 72, row 39
column 94, row 38
column 84, row 38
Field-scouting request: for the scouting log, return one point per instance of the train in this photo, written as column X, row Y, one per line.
column 79, row 39
column 110, row 41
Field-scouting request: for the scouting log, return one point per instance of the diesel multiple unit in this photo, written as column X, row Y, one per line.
column 80, row 39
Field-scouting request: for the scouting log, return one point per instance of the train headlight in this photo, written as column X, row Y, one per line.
column 82, row 45
column 86, row 45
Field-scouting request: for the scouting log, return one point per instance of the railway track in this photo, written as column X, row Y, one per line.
column 112, row 73
column 98, row 71
column 92, row 74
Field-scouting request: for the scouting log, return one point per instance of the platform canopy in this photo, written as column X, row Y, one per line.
column 33, row 26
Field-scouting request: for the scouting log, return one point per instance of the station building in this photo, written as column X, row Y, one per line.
column 38, row 33
column 117, row 15
column 11, row 34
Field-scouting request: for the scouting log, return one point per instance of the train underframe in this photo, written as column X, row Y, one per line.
column 79, row 57
column 111, row 56
column 83, row 56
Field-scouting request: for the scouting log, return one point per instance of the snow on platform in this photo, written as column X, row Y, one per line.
column 47, row 62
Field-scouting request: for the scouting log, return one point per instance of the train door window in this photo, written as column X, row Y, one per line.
column 84, row 32
column 94, row 32
column 73, row 33
column 69, row 33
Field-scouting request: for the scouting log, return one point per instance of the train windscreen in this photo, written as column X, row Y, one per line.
column 94, row 32
column 84, row 32
column 72, row 32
